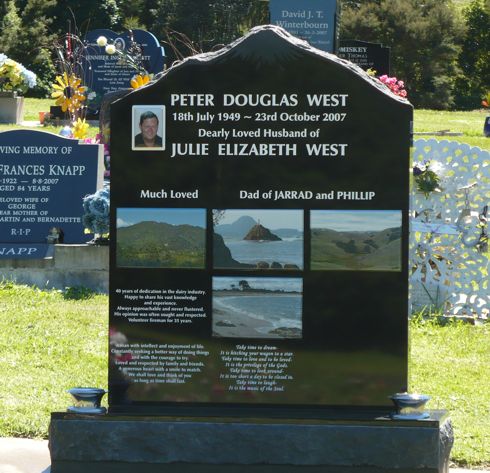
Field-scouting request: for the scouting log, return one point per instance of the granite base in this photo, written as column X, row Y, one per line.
column 114, row 443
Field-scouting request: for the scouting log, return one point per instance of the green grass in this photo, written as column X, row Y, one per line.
column 452, row 364
column 32, row 107
column 50, row 342
column 53, row 341
column 468, row 123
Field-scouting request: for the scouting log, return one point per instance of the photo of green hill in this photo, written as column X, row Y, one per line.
column 161, row 238
column 356, row 240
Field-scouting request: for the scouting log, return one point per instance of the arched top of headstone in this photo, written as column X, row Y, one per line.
column 272, row 47
column 37, row 137
column 142, row 37
column 104, row 73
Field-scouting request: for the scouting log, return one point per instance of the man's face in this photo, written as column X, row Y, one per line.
column 149, row 129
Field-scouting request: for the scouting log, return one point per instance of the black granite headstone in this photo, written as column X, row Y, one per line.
column 366, row 55
column 315, row 21
column 259, row 234
column 43, row 179
column 105, row 73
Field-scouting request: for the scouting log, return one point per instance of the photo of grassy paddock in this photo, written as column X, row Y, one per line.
column 161, row 238
column 356, row 240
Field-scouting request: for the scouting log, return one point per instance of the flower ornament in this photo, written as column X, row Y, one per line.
column 101, row 41
column 486, row 100
column 96, row 212
column 14, row 76
column 68, row 92
column 110, row 49
column 396, row 86
column 139, row 80
column 80, row 129
column 426, row 178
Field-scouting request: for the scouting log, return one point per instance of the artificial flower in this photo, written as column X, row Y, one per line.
column 426, row 178
column 80, row 129
column 110, row 49
column 14, row 76
column 101, row 41
column 68, row 92
column 139, row 80
column 395, row 85
column 486, row 100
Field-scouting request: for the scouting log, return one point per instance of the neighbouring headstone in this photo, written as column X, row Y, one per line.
column 105, row 73
column 43, row 178
column 366, row 55
column 315, row 21
column 266, row 134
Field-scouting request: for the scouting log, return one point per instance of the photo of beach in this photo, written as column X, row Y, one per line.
column 258, row 239
column 160, row 238
column 356, row 240
column 257, row 307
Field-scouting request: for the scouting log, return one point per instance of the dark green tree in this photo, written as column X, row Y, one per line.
column 10, row 26
column 206, row 24
column 474, row 59
column 424, row 36
column 80, row 16
column 25, row 36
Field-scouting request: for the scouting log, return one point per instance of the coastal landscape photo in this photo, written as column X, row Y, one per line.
column 356, row 240
column 161, row 238
column 258, row 239
column 257, row 307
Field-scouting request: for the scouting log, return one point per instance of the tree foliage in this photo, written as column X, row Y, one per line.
column 10, row 26
column 443, row 58
column 474, row 59
column 207, row 24
column 25, row 36
column 424, row 37
column 84, row 15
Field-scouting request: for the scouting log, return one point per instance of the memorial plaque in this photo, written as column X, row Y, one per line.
column 105, row 73
column 259, row 238
column 366, row 55
column 43, row 179
column 315, row 21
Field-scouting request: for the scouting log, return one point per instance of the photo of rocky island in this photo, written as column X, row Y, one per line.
column 257, row 307
column 258, row 239
column 160, row 238
column 356, row 240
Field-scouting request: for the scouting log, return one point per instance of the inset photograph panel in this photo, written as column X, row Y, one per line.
column 148, row 128
column 161, row 238
column 258, row 239
column 356, row 240
column 246, row 307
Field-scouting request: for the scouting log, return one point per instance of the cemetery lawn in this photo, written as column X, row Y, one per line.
column 49, row 342
column 468, row 123
column 52, row 341
column 451, row 363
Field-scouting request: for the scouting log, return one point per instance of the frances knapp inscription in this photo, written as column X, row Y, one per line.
column 43, row 178
column 258, row 258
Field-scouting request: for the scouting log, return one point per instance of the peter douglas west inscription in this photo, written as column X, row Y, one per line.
column 267, row 108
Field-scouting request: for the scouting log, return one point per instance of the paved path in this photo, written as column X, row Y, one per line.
column 24, row 456
column 32, row 456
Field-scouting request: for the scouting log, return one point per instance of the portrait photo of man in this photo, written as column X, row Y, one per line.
column 148, row 128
